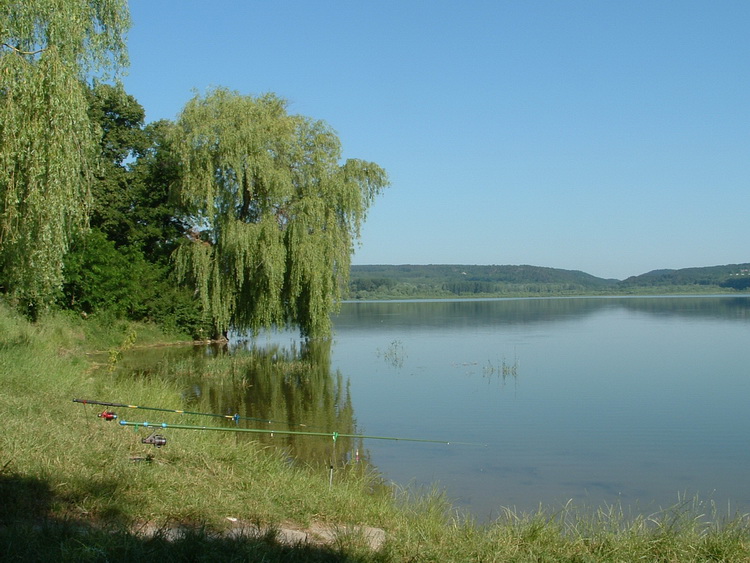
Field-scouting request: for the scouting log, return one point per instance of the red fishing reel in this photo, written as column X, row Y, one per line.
column 107, row 415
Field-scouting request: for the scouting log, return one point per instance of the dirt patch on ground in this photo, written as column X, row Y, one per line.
column 289, row 534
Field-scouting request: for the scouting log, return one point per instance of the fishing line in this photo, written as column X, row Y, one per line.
column 333, row 435
column 233, row 417
column 108, row 415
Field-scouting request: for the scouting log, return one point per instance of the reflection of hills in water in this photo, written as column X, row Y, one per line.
column 376, row 315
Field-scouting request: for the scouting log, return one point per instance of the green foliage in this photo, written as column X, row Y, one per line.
column 121, row 268
column 131, row 194
column 44, row 172
column 274, row 215
column 86, row 35
column 100, row 276
column 120, row 119
column 118, row 282
column 47, row 142
column 368, row 284
column 738, row 283
column 707, row 276
column 157, row 226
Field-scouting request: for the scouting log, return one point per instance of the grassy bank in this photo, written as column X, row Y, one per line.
column 70, row 489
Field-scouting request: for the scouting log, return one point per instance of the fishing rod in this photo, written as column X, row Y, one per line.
column 108, row 415
column 334, row 435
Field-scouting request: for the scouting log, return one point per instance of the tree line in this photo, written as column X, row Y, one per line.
column 452, row 280
column 236, row 215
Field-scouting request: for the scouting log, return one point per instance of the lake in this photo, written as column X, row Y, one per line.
column 637, row 401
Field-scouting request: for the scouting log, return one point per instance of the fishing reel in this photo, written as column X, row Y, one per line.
column 155, row 439
column 107, row 415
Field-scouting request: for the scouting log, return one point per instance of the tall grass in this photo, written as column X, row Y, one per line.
column 76, row 488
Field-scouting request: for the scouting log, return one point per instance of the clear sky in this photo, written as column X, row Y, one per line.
column 608, row 137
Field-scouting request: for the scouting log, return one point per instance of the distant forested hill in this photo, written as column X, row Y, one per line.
column 467, row 281
column 421, row 281
column 735, row 276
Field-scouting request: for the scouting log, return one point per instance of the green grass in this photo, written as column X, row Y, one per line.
column 69, row 490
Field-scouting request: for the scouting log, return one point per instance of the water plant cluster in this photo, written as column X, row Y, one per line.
column 503, row 369
column 75, row 487
column 394, row 355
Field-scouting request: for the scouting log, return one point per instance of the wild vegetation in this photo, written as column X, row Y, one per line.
column 48, row 145
column 78, row 488
column 116, row 234
column 272, row 212
column 237, row 215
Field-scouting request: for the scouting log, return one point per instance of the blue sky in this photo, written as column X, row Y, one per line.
column 608, row 137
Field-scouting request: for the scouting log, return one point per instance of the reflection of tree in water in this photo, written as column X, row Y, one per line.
column 286, row 389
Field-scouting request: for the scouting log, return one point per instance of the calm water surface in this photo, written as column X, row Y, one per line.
column 603, row 400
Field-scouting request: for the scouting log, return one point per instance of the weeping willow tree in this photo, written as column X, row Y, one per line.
column 274, row 212
column 48, row 146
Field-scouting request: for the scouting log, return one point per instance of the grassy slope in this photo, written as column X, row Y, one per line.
column 70, row 491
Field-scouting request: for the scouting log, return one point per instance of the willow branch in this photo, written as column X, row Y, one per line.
column 20, row 52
